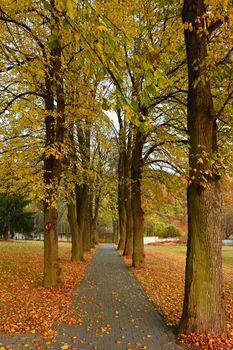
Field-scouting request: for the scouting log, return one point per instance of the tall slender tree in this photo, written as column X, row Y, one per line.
column 203, row 309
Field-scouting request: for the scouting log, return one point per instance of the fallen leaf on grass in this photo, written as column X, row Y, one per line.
column 26, row 307
column 167, row 294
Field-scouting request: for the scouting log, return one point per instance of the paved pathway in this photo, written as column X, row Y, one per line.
column 116, row 313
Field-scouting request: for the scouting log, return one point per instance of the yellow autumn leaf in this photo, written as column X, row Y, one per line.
column 65, row 346
column 200, row 161
column 99, row 47
column 71, row 8
column 77, row 36
column 137, row 122
column 36, row 127
column 127, row 112
column 59, row 5
column 102, row 28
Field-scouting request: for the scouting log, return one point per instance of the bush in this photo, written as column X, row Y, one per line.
column 228, row 222
column 153, row 227
column 170, row 231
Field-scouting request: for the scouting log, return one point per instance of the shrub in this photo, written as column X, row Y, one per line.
column 170, row 231
column 228, row 222
column 153, row 227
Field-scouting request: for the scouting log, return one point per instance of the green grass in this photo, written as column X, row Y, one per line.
column 227, row 252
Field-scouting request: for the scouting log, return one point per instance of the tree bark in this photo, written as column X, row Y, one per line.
column 87, row 230
column 128, row 209
column 137, row 212
column 6, row 232
column 53, row 162
column 51, row 265
column 115, row 232
column 203, row 309
column 121, row 180
column 75, row 234
column 121, row 207
column 95, row 200
column 81, row 207
column 70, row 161
column 83, row 190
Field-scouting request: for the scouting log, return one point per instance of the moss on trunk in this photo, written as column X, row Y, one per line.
column 203, row 309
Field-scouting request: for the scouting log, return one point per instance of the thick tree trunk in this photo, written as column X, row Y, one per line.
column 203, row 309
column 52, row 173
column 137, row 212
column 53, row 162
column 75, row 234
column 51, row 267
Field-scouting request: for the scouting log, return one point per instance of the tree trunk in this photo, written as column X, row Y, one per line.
column 51, row 266
column 129, row 227
column 203, row 309
column 121, row 181
column 6, row 232
column 94, row 232
column 83, row 191
column 128, row 209
column 75, row 234
column 121, row 208
column 53, row 162
column 95, row 202
column 137, row 212
column 115, row 232
column 87, row 230
column 80, row 211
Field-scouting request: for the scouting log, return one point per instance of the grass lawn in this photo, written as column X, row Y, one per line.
column 163, row 280
column 26, row 307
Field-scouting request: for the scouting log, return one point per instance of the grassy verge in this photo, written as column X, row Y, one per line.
column 25, row 306
column 163, row 281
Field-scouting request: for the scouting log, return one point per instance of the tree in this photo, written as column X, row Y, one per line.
column 140, row 69
column 203, row 308
column 47, row 94
column 13, row 215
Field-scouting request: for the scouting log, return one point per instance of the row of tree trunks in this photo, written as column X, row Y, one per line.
column 83, row 211
column 131, row 216
column 203, row 309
